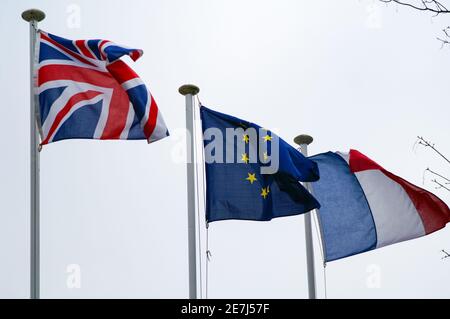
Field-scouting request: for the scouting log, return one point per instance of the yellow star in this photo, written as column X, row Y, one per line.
column 245, row 138
column 267, row 138
column 265, row 156
column 245, row 158
column 264, row 192
column 251, row 178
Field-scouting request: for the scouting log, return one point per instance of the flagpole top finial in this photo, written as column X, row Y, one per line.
column 303, row 139
column 33, row 15
column 188, row 89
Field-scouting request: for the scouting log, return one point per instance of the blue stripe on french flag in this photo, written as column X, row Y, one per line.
column 364, row 206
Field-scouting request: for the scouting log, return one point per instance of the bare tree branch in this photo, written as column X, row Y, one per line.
column 432, row 6
column 439, row 175
column 440, row 185
column 446, row 39
column 447, row 255
column 428, row 5
column 422, row 141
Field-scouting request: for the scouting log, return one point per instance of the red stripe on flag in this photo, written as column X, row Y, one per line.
column 69, row 52
column 66, row 109
column 152, row 117
column 136, row 54
column 54, row 72
column 118, row 113
column 100, row 47
column 121, row 71
column 435, row 214
column 117, row 118
column 82, row 46
column 359, row 162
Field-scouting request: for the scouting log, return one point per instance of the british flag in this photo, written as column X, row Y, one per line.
column 85, row 91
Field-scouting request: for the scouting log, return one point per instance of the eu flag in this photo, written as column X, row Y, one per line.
column 251, row 173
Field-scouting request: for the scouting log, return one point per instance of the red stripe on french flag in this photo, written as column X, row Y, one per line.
column 434, row 213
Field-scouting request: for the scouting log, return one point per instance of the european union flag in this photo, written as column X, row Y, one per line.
column 251, row 173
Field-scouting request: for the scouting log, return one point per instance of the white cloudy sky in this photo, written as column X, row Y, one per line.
column 354, row 74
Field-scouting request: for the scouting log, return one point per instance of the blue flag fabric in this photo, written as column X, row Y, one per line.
column 345, row 217
column 236, row 186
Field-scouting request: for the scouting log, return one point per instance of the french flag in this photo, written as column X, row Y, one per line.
column 364, row 206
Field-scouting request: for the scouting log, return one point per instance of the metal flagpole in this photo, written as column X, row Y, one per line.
column 189, row 91
column 303, row 141
column 33, row 16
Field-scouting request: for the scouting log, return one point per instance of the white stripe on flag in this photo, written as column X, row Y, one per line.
column 160, row 130
column 73, row 109
column 130, row 118
column 395, row 216
column 132, row 83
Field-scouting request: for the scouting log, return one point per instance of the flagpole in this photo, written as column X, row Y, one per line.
column 33, row 16
column 189, row 91
column 303, row 141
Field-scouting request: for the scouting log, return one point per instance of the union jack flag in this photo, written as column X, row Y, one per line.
column 85, row 91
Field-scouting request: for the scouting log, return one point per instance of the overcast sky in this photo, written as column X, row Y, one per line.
column 354, row 74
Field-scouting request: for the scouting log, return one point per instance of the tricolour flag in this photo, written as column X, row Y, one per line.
column 237, row 153
column 85, row 91
column 364, row 206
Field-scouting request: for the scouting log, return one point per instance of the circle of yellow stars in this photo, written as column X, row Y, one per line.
column 244, row 158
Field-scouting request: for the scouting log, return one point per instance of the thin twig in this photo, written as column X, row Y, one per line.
column 437, row 174
column 433, row 6
column 447, row 255
column 440, row 185
column 445, row 40
column 426, row 143
column 447, row 32
column 428, row 5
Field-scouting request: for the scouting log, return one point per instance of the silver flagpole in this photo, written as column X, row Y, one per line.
column 189, row 91
column 303, row 141
column 33, row 16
